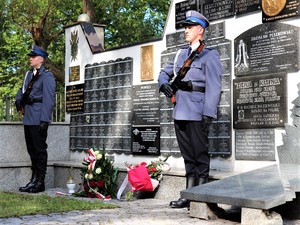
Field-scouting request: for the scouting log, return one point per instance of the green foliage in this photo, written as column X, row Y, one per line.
column 130, row 21
column 27, row 22
column 17, row 205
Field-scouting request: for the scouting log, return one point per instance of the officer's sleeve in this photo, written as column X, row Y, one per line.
column 213, row 84
column 48, row 97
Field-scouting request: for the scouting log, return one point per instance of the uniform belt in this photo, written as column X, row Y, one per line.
column 199, row 89
column 34, row 100
column 37, row 100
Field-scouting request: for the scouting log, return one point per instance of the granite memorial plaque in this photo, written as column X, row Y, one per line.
column 255, row 144
column 260, row 102
column 224, row 147
column 279, row 9
column 145, row 101
column 215, row 31
column 171, row 40
column 243, row 7
column 145, row 140
column 267, row 48
column 216, row 9
column 181, row 8
column 75, row 98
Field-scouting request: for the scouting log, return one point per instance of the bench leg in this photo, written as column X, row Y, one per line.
column 259, row 216
column 206, row 211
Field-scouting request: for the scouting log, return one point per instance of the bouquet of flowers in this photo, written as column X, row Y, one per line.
column 155, row 168
column 143, row 176
column 99, row 175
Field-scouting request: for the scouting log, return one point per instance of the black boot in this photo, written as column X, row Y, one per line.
column 30, row 184
column 200, row 181
column 38, row 184
column 182, row 202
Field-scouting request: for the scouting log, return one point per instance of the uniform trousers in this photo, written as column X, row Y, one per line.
column 193, row 145
column 36, row 147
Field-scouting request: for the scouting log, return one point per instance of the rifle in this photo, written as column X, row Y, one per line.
column 25, row 97
column 176, row 84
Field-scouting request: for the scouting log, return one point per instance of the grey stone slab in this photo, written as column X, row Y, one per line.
column 261, row 188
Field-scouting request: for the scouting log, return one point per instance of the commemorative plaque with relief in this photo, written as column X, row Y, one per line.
column 267, row 48
column 279, row 9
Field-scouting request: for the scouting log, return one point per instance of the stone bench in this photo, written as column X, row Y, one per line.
column 255, row 192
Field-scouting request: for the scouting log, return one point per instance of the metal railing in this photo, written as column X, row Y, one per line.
column 8, row 111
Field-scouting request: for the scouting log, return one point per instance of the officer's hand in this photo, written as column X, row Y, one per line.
column 167, row 90
column 43, row 127
column 206, row 121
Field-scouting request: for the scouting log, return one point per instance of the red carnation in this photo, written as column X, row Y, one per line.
column 92, row 184
column 100, row 183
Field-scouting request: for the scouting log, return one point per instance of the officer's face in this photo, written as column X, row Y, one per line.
column 36, row 61
column 193, row 33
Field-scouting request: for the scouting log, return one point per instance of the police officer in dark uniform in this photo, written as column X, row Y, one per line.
column 35, row 99
column 196, row 104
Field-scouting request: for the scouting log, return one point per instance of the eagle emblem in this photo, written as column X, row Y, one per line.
column 74, row 45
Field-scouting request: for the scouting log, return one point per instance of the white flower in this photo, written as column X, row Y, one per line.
column 99, row 156
column 97, row 153
column 159, row 167
column 90, row 176
column 86, row 176
column 98, row 170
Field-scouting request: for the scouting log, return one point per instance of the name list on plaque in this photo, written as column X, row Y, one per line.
column 145, row 102
column 255, row 144
column 74, row 98
column 260, row 102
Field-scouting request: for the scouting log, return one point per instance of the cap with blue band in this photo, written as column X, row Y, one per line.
column 195, row 18
column 36, row 50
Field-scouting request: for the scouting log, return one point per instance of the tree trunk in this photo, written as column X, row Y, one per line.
column 87, row 8
column 57, row 72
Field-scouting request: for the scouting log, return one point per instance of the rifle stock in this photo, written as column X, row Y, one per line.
column 184, row 69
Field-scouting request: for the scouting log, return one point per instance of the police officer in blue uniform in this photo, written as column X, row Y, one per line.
column 196, row 106
column 35, row 99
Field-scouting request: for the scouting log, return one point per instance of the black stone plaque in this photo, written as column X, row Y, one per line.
column 75, row 98
column 224, row 147
column 224, row 113
column 215, row 31
column 243, row 7
column 181, row 8
column 267, row 48
column 279, row 9
column 216, row 9
column 171, row 40
column 255, row 144
column 260, row 102
column 145, row 140
column 145, row 101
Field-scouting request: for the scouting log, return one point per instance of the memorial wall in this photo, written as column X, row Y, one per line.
column 113, row 100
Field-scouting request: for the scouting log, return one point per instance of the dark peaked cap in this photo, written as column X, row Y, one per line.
column 36, row 50
column 193, row 17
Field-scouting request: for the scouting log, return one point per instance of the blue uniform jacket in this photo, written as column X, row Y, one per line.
column 43, row 89
column 206, row 71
